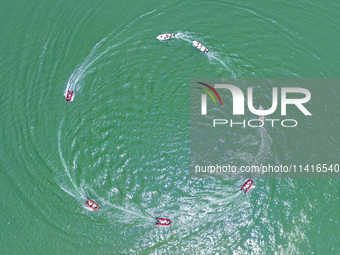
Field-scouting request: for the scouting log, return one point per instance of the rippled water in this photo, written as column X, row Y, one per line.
column 124, row 140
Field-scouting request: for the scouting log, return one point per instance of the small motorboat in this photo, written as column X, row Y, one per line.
column 247, row 185
column 92, row 205
column 164, row 37
column 199, row 46
column 69, row 96
column 163, row 222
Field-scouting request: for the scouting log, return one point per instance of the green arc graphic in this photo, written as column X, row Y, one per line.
column 210, row 95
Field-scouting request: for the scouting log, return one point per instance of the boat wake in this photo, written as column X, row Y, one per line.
column 213, row 56
column 97, row 52
column 78, row 190
column 79, row 193
column 185, row 36
column 107, row 206
column 266, row 141
column 133, row 213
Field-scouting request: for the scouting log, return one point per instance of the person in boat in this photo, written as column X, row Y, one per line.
column 163, row 222
column 69, row 95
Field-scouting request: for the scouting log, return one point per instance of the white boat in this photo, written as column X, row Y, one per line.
column 164, row 37
column 200, row 46
column 261, row 117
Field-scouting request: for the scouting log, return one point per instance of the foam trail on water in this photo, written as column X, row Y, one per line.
column 184, row 36
column 188, row 38
column 106, row 204
column 213, row 56
column 266, row 140
column 68, row 192
column 133, row 213
column 82, row 70
column 213, row 201
column 67, row 171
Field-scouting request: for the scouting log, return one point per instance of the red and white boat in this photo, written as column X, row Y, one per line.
column 163, row 222
column 69, row 96
column 200, row 46
column 247, row 185
column 92, row 205
column 164, row 37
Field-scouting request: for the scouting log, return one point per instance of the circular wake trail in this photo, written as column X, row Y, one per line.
column 66, row 169
column 133, row 213
column 266, row 140
column 186, row 37
column 82, row 70
column 214, row 201
column 233, row 75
